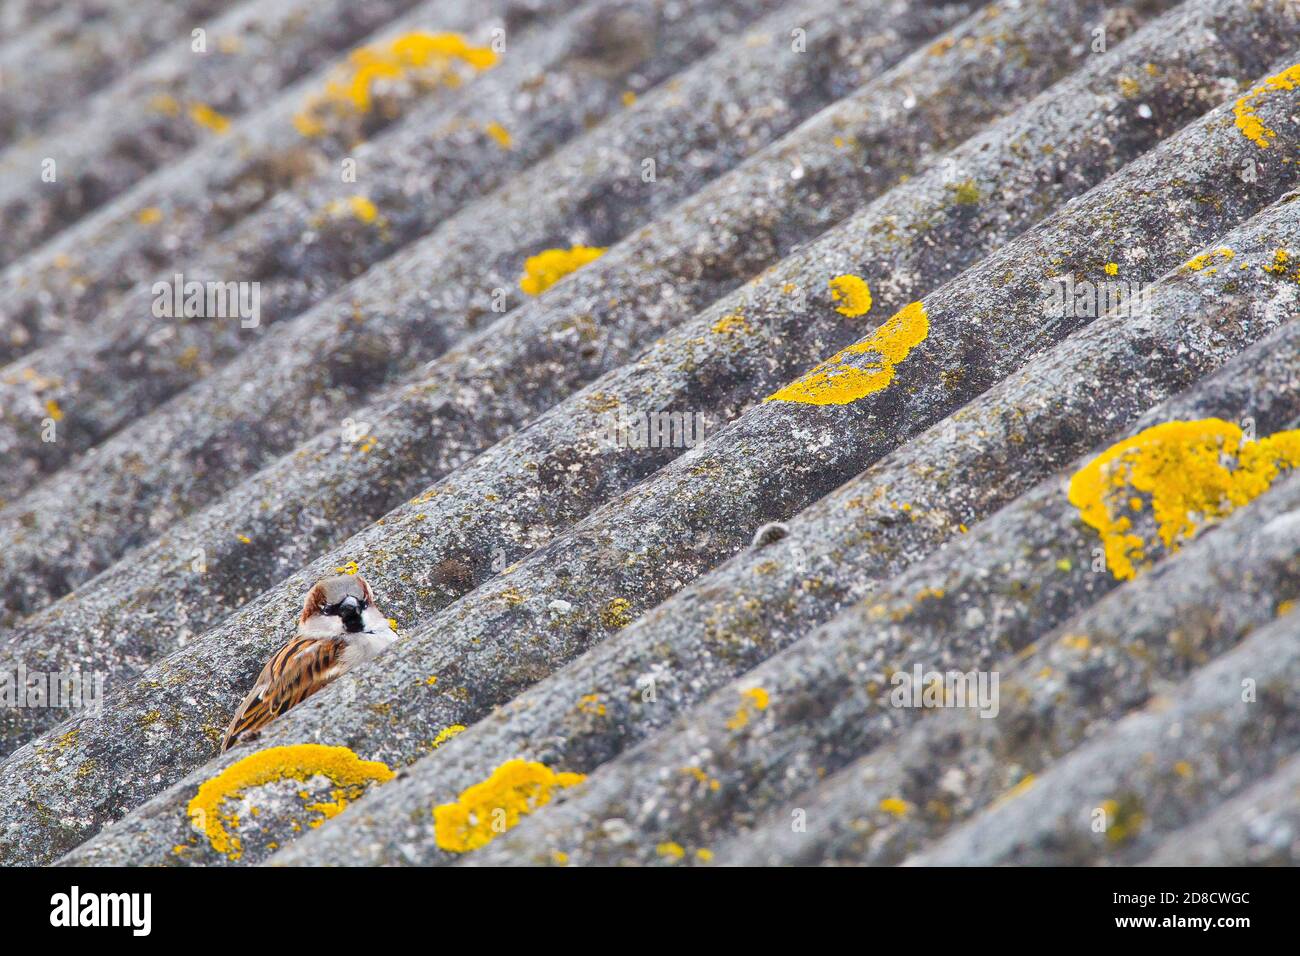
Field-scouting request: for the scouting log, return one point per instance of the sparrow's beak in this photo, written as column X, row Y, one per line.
column 350, row 611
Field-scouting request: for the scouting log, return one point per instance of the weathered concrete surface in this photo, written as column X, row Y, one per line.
column 266, row 204
column 1140, row 766
column 289, row 381
column 59, row 289
column 1091, row 103
column 837, row 550
column 78, row 48
column 402, row 540
column 829, row 699
column 19, row 17
column 492, row 384
column 129, row 128
column 1259, row 827
column 504, row 636
column 1061, row 690
column 558, row 77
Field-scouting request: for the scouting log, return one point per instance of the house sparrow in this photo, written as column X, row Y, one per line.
column 339, row 628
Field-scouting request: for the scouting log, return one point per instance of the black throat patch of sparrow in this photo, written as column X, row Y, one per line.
column 339, row 628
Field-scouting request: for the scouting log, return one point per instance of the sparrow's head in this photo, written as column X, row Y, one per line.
column 340, row 605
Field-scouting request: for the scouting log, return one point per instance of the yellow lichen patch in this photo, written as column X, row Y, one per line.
column 698, row 774
column 308, row 125
column 1283, row 264
column 616, row 614
column 1026, row 782
column 1197, row 263
column 419, row 50
column 446, row 734
column 208, row 118
column 966, row 192
column 490, row 808
column 357, row 91
column 422, row 60
column 363, row 208
column 1247, row 121
column 149, row 216
column 1123, row 820
column 592, row 704
column 733, row 324
column 359, row 208
column 298, row 762
column 1111, row 268
column 941, row 47
column 1285, row 607
column 1076, row 642
column 328, row 809
column 755, row 700
column 500, row 134
column 670, row 850
column 349, row 568
column 628, row 97
column 834, row 382
column 1184, row 469
column 551, row 265
column 894, row 806
column 53, row 410
column 853, row 294
column 165, row 104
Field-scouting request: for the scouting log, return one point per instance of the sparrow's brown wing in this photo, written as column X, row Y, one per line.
column 294, row 673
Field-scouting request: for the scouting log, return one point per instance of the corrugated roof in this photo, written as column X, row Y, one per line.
column 711, row 632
